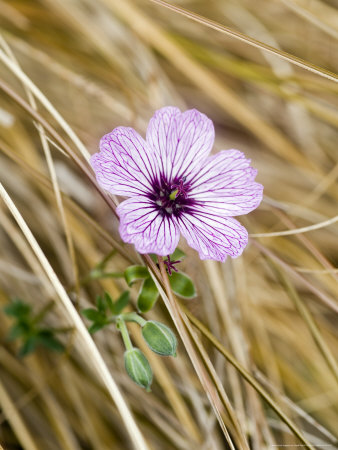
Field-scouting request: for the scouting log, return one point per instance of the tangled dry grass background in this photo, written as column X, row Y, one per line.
column 87, row 66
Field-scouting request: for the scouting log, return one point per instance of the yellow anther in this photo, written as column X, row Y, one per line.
column 173, row 195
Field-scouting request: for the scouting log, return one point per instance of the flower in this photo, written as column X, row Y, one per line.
column 175, row 187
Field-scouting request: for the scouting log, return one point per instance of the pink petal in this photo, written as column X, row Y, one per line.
column 212, row 236
column 142, row 225
column 125, row 165
column 182, row 140
column 225, row 185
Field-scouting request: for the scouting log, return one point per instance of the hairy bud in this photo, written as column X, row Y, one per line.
column 138, row 368
column 159, row 338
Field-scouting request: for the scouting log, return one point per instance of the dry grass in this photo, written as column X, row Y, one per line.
column 257, row 360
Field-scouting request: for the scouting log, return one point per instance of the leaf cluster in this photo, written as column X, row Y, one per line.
column 28, row 329
column 105, row 311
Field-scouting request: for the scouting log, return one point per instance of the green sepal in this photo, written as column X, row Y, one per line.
column 135, row 273
column 177, row 255
column 148, row 295
column 182, row 285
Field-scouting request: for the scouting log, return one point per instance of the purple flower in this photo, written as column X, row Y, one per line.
column 175, row 187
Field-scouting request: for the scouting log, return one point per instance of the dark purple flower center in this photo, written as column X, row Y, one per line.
column 171, row 198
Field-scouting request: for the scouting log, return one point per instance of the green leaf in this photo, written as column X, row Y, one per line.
column 109, row 302
column 96, row 327
column 44, row 333
column 17, row 308
column 46, row 338
column 53, row 344
column 28, row 346
column 121, row 302
column 101, row 304
column 93, row 314
column 182, row 285
column 147, row 296
column 135, row 273
column 18, row 330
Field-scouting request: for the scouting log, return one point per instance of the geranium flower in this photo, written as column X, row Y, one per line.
column 175, row 187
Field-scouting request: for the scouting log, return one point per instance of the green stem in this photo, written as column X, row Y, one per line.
column 97, row 274
column 121, row 325
column 102, row 264
column 134, row 317
column 40, row 315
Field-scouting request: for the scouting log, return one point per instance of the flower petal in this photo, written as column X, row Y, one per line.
column 225, row 185
column 125, row 165
column 182, row 140
column 212, row 236
column 142, row 225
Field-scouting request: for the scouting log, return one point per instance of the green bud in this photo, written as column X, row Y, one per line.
column 138, row 368
column 159, row 338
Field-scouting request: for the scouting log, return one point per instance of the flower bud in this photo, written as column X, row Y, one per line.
column 159, row 338
column 138, row 368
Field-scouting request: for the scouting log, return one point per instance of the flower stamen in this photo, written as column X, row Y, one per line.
column 174, row 194
column 181, row 189
column 171, row 198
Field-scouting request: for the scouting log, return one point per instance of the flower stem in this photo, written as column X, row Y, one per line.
column 97, row 274
column 133, row 317
column 40, row 315
column 102, row 264
column 121, row 325
column 178, row 320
